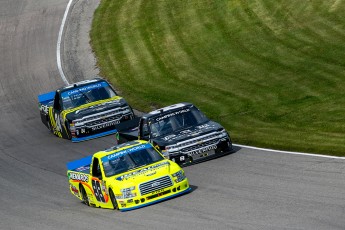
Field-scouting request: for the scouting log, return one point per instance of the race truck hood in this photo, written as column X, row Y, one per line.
column 146, row 173
column 94, row 107
column 187, row 133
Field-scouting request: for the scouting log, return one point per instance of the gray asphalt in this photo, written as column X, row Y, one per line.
column 249, row 189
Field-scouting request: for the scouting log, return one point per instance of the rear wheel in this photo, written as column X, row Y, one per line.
column 84, row 195
column 113, row 200
column 49, row 125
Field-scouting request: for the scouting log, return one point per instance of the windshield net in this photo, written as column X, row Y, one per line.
column 129, row 159
column 174, row 121
column 78, row 96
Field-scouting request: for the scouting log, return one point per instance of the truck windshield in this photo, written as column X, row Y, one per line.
column 177, row 120
column 78, row 96
column 122, row 162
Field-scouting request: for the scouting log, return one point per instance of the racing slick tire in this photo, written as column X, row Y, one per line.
column 68, row 131
column 113, row 200
column 49, row 125
column 83, row 195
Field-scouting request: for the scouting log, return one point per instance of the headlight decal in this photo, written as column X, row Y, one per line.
column 179, row 176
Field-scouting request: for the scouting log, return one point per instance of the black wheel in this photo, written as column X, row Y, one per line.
column 113, row 200
column 83, row 195
column 49, row 125
column 68, row 131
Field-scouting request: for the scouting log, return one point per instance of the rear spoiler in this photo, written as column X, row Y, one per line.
column 79, row 165
column 46, row 98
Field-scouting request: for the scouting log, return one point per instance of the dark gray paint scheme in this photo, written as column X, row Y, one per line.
column 245, row 190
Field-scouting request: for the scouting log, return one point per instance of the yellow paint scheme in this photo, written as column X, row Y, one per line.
column 57, row 130
column 127, row 180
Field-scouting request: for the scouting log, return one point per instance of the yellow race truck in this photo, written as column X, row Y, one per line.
column 126, row 177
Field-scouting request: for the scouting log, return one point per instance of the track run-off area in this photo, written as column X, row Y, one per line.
column 249, row 189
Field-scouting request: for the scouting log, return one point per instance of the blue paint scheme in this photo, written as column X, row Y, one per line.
column 75, row 140
column 46, row 97
column 73, row 165
column 156, row 201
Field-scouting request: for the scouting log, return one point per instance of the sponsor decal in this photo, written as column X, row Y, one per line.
column 85, row 88
column 75, row 190
column 126, row 151
column 199, row 151
column 78, row 177
column 203, row 126
column 44, row 108
column 155, row 184
column 186, row 131
column 142, row 171
column 83, row 168
column 169, row 137
column 172, row 114
column 105, row 125
column 195, row 134
column 158, row 191
column 58, row 121
column 151, row 174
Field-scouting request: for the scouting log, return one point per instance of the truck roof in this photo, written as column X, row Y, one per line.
column 167, row 109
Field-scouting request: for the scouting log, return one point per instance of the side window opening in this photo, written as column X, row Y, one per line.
column 144, row 132
column 96, row 169
column 57, row 102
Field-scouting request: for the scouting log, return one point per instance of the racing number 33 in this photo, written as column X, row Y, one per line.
column 97, row 190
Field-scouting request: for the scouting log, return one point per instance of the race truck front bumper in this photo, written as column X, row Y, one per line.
column 155, row 195
column 200, row 149
column 100, row 124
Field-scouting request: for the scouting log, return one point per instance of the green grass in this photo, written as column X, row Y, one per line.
column 271, row 72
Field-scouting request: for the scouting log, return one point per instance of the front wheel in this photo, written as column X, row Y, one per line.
column 68, row 131
column 113, row 200
column 84, row 195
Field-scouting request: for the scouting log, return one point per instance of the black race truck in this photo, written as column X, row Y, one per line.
column 181, row 132
column 83, row 110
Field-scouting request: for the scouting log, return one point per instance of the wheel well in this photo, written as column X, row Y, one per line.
column 81, row 187
column 68, row 131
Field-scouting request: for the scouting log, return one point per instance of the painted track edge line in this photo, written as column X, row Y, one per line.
column 289, row 152
column 58, row 46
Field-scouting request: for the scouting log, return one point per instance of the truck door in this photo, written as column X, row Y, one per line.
column 57, row 120
column 96, row 180
column 55, row 116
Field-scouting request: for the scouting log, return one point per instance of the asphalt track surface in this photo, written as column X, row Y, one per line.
column 249, row 189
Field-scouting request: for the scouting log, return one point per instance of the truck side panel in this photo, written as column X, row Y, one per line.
column 79, row 175
column 80, row 165
column 44, row 102
column 77, row 179
column 45, row 98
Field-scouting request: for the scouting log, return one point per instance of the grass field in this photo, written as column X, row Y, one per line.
column 271, row 72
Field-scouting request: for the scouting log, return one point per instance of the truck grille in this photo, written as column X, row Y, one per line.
column 103, row 117
column 197, row 140
column 102, row 120
column 154, row 185
column 200, row 145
